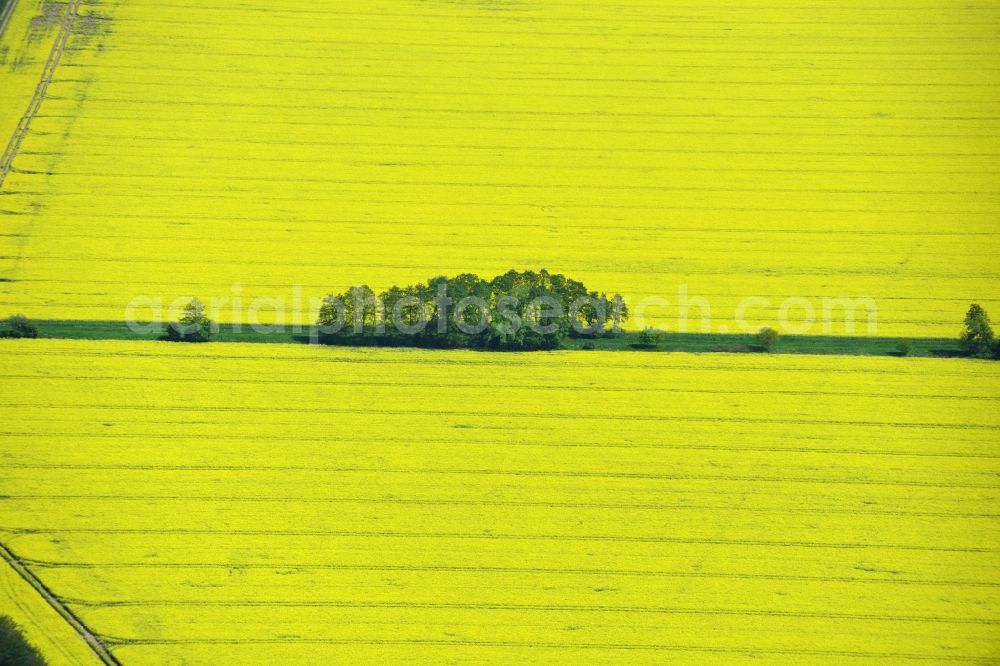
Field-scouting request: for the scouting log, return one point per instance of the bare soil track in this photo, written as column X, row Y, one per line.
column 65, row 29
column 93, row 641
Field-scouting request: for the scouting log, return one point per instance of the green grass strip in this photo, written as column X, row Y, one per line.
column 628, row 341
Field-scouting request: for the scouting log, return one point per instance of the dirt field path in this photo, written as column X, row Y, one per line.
column 65, row 29
column 25, row 574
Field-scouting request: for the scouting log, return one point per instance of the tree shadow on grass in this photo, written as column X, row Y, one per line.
column 947, row 353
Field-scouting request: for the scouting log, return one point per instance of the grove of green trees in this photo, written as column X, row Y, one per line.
column 516, row 311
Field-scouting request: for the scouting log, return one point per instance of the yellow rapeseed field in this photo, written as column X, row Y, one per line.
column 232, row 504
column 773, row 149
column 25, row 46
column 292, row 504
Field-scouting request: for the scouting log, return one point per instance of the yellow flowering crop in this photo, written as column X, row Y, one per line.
column 771, row 149
column 229, row 503
column 285, row 504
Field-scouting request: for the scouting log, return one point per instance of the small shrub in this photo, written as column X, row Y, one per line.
column 588, row 346
column 904, row 347
column 14, row 649
column 193, row 326
column 18, row 326
column 649, row 338
column 767, row 338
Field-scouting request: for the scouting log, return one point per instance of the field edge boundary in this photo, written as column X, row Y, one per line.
column 5, row 15
column 78, row 626
column 628, row 341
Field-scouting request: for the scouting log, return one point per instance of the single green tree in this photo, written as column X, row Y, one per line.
column 352, row 316
column 767, row 338
column 361, row 310
column 977, row 340
column 193, row 325
column 331, row 313
column 904, row 347
column 458, row 310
